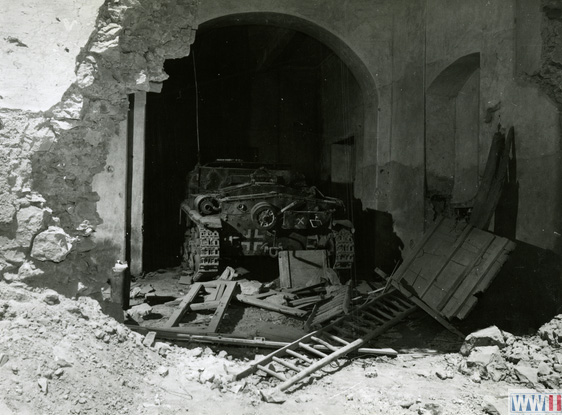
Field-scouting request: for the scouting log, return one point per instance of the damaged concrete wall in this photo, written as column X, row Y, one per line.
column 51, row 154
column 508, row 96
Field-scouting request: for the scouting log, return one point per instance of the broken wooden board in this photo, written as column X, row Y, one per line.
column 225, row 297
column 302, row 268
column 338, row 305
column 490, row 189
column 176, row 317
column 452, row 263
column 246, row 299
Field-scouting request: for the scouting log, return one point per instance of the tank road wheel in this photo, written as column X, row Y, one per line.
column 201, row 251
column 264, row 215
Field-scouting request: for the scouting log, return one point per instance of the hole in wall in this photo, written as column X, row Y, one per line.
column 265, row 94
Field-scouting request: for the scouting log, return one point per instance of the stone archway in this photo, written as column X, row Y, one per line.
column 367, row 142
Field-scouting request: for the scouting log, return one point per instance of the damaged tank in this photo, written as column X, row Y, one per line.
column 237, row 209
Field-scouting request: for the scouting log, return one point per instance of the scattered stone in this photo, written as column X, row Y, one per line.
column 250, row 287
column 140, row 312
column 51, row 298
column 371, row 373
column 493, row 406
column 59, row 372
column 543, row 369
column 163, row 371
column 497, row 371
column 273, row 396
column 51, row 245
column 43, row 384
column 491, row 336
column 4, row 359
column 483, row 356
column 206, row 376
column 149, row 339
column 162, row 348
column 433, row 408
column 31, row 220
column 552, row 331
column 557, row 367
column 526, row 374
column 407, row 404
column 444, row 374
column 135, row 292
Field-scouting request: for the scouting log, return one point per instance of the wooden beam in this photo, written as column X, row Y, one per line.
column 137, row 183
column 223, row 304
column 270, row 306
column 176, row 317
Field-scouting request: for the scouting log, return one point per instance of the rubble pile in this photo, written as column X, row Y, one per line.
column 534, row 361
column 65, row 356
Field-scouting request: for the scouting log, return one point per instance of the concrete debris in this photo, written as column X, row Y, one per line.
column 51, row 298
column 483, row 356
column 491, row 336
column 250, row 287
column 273, row 397
column 527, row 374
column 494, row 406
column 51, row 245
column 43, row 385
column 149, row 339
column 139, row 312
column 552, row 331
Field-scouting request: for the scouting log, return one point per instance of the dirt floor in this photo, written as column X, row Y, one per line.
column 63, row 356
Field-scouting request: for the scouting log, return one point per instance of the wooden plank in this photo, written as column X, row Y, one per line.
column 284, row 269
column 459, row 281
column 177, row 315
column 411, row 256
column 495, row 173
column 302, row 267
column 429, row 311
column 270, row 306
column 452, row 251
column 467, row 289
column 223, row 304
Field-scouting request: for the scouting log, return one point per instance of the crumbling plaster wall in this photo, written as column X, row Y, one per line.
column 507, row 34
column 52, row 148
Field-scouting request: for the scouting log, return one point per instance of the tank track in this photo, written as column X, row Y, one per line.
column 345, row 249
column 202, row 252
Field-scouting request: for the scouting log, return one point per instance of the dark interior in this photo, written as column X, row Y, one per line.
column 259, row 91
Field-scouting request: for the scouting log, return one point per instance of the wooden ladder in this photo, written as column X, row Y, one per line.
column 321, row 347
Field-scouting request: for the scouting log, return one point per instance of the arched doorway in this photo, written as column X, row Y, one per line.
column 452, row 131
column 266, row 93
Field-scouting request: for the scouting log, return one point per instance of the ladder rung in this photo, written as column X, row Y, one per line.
column 401, row 306
column 312, row 349
column 407, row 304
column 325, row 343
column 375, row 317
column 285, row 363
column 358, row 327
column 299, row 356
column 390, row 305
column 382, row 313
column 343, row 331
column 272, row 373
column 336, row 339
